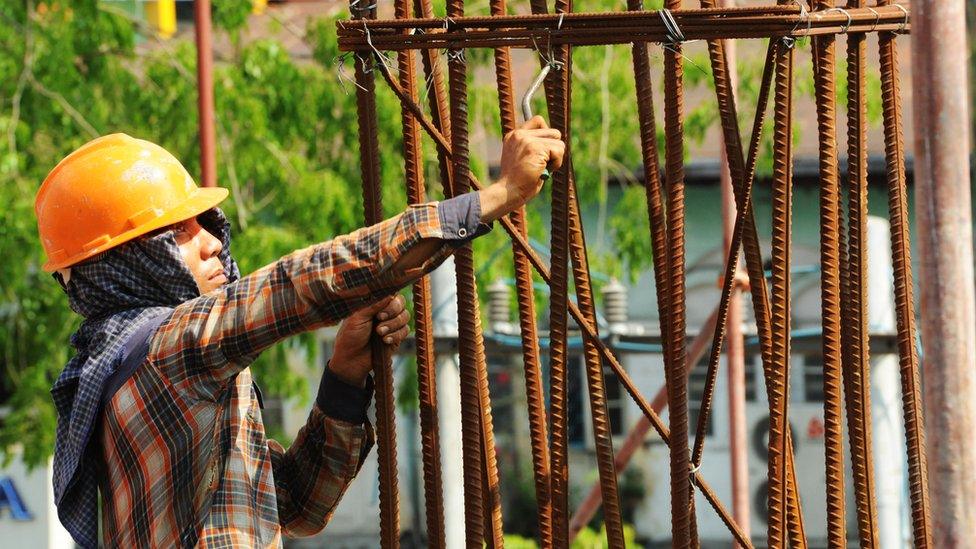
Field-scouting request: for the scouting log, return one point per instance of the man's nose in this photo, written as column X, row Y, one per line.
column 211, row 244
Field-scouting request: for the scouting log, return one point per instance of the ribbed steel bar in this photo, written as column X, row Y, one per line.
column 780, row 299
column 857, row 373
column 742, row 177
column 904, row 300
column 527, row 31
column 824, row 60
column 653, row 190
column 436, row 96
column 682, row 504
column 525, row 296
column 423, row 322
column 602, row 434
column 781, row 18
column 635, row 438
column 543, row 270
column 558, row 323
column 386, row 454
column 557, row 92
column 470, row 343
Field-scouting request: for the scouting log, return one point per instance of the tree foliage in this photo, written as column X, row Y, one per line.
column 287, row 149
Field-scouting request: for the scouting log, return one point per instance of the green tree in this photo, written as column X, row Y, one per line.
column 287, row 149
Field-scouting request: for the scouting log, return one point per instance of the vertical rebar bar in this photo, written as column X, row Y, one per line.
column 525, row 296
column 923, row 530
column 682, row 504
column 381, row 357
column 780, row 299
column 856, row 369
column 824, row 59
column 470, row 343
column 423, row 323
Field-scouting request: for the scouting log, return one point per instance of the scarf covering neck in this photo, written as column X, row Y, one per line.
column 117, row 293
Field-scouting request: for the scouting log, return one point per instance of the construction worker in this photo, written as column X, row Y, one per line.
column 157, row 411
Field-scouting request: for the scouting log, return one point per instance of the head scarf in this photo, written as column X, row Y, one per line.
column 116, row 292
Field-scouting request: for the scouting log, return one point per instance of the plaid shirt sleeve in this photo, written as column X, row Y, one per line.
column 210, row 339
column 313, row 474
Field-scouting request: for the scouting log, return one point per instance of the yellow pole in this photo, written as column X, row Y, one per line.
column 161, row 15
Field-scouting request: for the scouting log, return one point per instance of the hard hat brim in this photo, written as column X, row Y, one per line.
column 200, row 201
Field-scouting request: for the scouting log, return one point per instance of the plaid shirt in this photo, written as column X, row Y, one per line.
column 184, row 453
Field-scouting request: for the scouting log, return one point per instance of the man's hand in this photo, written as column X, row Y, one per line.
column 525, row 154
column 351, row 359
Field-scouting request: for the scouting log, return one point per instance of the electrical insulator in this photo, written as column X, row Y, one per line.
column 498, row 304
column 615, row 302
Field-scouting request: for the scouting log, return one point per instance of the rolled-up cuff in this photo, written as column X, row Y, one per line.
column 340, row 400
column 460, row 218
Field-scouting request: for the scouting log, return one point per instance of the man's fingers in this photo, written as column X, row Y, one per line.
column 399, row 321
column 392, row 308
column 535, row 123
column 397, row 337
column 557, row 149
column 374, row 308
column 545, row 133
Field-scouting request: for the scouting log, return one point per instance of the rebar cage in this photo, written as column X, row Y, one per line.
column 842, row 241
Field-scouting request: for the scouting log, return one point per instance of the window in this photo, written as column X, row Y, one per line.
column 813, row 378
column 616, row 402
column 753, row 371
column 575, row 393
column 696, row 390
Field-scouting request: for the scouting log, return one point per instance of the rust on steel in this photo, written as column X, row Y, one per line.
column 557, row 101
column 528, row 31
column 904, row 300
column 780, row 298
column 381, row 357
column 542, row 269
column 824, row 59
column 682, row 504
column 525, row 297
column 842, row 257
column 558, row 98
column 482, row 501
column 856, row 369
column 423, row 322
column 591, row 503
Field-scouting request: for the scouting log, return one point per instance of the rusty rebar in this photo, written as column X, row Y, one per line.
column 525, row 296
column 857, row 376
column 386, row 453
column 528, row 31
column 682, row 504
column 824, row 59
column 542, row 269
column 470, row 342
column 780, row 299
column 423, row 322
column 558, row 97
column 904, row 300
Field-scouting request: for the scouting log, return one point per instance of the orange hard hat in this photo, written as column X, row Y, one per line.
column 110, row 191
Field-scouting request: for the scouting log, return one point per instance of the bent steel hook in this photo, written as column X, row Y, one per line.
column 527, row 104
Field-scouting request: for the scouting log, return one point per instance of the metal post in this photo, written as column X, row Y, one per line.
column 444, row 303
column 205, row 98
column 948, row 315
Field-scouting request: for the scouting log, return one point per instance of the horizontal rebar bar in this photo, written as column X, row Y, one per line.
column 533, row 31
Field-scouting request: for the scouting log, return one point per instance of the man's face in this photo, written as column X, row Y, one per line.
column 200, row 251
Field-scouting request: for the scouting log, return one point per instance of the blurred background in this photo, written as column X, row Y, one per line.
column 287, row 149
